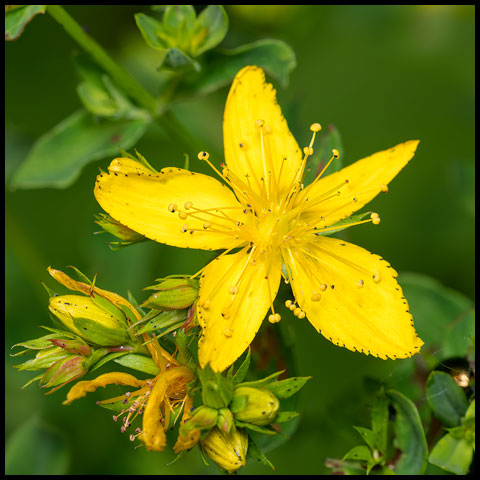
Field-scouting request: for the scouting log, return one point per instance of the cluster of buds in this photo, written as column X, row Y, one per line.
column 230, row 409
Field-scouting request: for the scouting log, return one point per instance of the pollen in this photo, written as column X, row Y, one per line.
column 315, row 127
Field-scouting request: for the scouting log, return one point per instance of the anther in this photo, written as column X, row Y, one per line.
column 360, row 284
column 182, row 215
column 375, row 218
column 316, row 297
column 259, row 123
column 233, row 290
column 315, row 127
column 227, row 332
column 335, row 153
column 172, row 207
column 225, row 313
column 207, row 225
column 184, row 228
column 274, row 318
column 301, row 315
column 188, row 205
column 376, row 276
column 206, row 304
column 225, row 172
column 384, row 188
column 203, row 156
column 297, row 311
column 323, row 287
column 288, row 303
column 308, row 151
column 292, row 307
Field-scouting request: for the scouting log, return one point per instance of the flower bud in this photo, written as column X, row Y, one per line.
column 203, row 418
column 85, row 317
column 173, row 294
column 72, row 346
column 225, row 420
column 228, row 451
column 258, row 406
column 63, row 371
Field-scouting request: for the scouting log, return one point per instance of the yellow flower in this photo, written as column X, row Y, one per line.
column 348, row 294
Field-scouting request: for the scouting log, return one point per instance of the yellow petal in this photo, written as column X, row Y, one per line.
column 338, row 195
column 150, row 204
column 153, row 434
column 80, row 389
column 359, row 304
column 251, row 100
column 235, row 294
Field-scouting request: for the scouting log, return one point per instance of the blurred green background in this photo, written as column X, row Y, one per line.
column 381, row 74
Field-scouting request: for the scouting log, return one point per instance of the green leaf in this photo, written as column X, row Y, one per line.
column 176, row 59
column 96, row 100
column 285, row 416
column 57, row 158
column 322, row 154
column 274, row 56
column 164, row 319
column 380, row 421
column 367, row 435
column 217, row 391
column 288, row 387
column 43, row 359
column 215, row 20
column 242, row 370
column 452, row 454
column 179, row 17
column 358, row 453
column 138, row 362
column 17, row 18
column 36, row 449
column 40, row 343
column 446, row 398
column 257, row 454
column 409, row 435
column 153, row 32
column 441, row 315
column 255, row 428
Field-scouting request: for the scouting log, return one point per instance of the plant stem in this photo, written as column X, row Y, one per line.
column 118, row 74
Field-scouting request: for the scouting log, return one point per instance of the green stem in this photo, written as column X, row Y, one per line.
column 118, row 74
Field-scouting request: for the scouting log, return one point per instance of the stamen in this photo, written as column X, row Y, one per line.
column 316, row 297
column 274, row 318
column 384, row 188
column 172, row 207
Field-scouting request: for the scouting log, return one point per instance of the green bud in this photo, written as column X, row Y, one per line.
column 172, row 294
column 72, row 346
column 228, row 451
column 203, row 418
column 225, row 420
column 88, row 319
column 258, row 406
column 63, row 371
